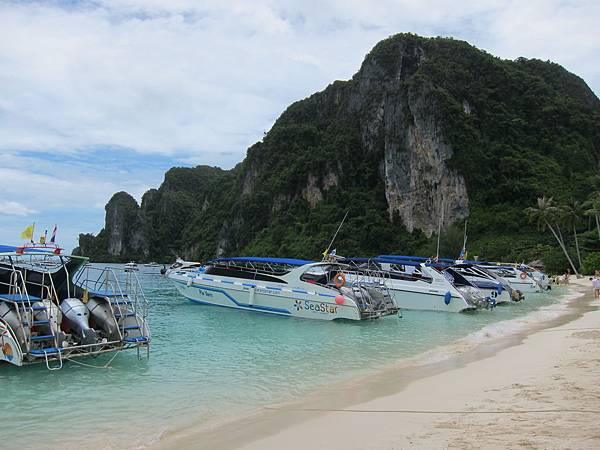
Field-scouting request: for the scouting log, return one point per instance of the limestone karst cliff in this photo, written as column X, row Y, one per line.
column 425, row 128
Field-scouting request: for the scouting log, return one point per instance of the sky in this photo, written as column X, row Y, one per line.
column 100, row 96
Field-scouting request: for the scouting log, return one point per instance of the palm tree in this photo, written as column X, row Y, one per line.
column 546, row 215
column 593, row 208
column 573, row 211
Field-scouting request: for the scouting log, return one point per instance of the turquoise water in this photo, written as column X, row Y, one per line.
column 208, row 363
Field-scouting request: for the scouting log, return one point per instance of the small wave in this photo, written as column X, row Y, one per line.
column 494, row 332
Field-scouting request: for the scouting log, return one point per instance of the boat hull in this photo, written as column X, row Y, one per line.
column 264, row 299
column 525, row 286
column 429, row 301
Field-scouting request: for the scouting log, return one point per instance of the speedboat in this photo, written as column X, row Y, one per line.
column 131, row 267
column 488, row 282
column 414, row 285
column 540, row 277
column 518, row 279
column 285, row 287
column 181, row 265
column 55, row 307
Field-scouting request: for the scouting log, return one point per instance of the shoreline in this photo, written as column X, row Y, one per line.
column 306, row 423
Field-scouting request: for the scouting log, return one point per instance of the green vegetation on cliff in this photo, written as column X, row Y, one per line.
column 510, row 131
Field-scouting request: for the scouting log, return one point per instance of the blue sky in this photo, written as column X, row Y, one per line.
column 102, row 96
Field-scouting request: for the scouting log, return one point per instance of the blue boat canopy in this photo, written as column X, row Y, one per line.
column 24, row 249
column 381, row 259
column 414, row 258
column 288, row 261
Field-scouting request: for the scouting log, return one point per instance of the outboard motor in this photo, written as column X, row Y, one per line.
column 102, row 318
column 11, row 317
column 76, row 319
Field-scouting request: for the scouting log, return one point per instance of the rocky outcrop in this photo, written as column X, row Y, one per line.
column 401, row 118
column 124, row 227
column 427, row 128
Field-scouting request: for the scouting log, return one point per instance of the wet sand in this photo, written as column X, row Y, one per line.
column 535, row 388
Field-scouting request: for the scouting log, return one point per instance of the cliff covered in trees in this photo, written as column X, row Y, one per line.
column 425, row 128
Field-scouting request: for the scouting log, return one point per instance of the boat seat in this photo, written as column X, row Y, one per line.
column 38, row 308
column 19, row 298
column 106, row 294
column 132, row 327
column 136, row 339
column 42, row 337
column 36, row 322
column 119, row 302
column 48, row 350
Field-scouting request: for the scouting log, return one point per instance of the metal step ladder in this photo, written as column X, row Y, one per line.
column 123, row 293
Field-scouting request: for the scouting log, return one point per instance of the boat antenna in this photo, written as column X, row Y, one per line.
column 463, row 252
column 326, row 252
column 437, row 252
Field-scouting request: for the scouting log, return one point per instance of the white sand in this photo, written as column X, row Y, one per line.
column 543, row 392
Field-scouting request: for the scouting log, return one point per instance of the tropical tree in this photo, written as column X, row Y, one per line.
column 546, row 215
column 573, row 211
column 593, row 208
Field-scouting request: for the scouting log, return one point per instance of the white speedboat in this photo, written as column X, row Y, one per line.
column 518, row 279
column 55, row 312
column 489, row 283
column 131, row 267
column 180, row 265
column 413, row 285
column 285, row 287
column 539, row 276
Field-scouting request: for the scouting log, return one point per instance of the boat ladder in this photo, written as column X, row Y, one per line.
column 123, row 293
column 26, row 307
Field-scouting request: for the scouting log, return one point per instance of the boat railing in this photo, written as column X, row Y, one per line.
column 253, row 267
column 111, row 282
column 371, row 276
column 23, row 305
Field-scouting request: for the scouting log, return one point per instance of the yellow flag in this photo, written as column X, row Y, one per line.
column 27, row 233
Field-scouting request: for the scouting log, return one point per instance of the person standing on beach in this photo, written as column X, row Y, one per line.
column 596, row 284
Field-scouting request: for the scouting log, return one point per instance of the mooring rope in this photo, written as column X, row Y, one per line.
column 419, row 411
column 105, row 366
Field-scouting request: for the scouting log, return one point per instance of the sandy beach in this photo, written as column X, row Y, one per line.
column 534, row 389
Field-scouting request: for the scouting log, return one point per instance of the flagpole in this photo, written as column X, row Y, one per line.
column 326, row 252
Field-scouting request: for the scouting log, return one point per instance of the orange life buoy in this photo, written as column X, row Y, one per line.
column 523, row 275
column 339, row 280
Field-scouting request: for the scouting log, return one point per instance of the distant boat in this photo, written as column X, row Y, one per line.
column 152, row 264
column 131, row 267
column 517, row 278
column 55, row 307
column 181, row 264
column 285, row 287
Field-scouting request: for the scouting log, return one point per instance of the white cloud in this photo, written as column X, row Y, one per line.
column 10, row 208
column 192, row 79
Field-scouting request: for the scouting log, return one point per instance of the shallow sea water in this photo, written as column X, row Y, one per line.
column 209, row 363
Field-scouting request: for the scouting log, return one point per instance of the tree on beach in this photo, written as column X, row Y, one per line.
column 593, row 208
column 548, row 215
column 573, row 211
